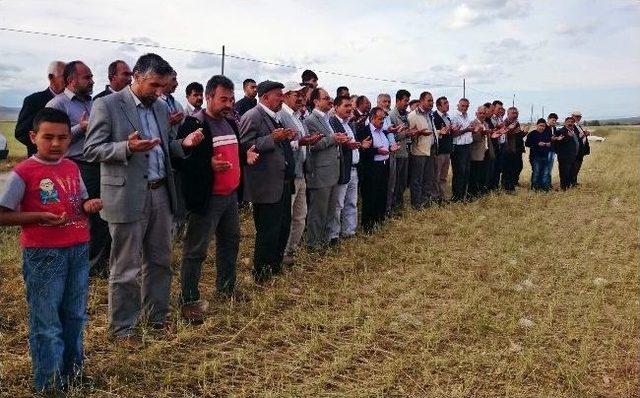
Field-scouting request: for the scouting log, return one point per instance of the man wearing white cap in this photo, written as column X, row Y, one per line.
column 291, row 116
column 584, row 148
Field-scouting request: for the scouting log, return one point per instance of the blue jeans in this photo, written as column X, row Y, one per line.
column 539, row 173
column 57, row 283
column 552, row 156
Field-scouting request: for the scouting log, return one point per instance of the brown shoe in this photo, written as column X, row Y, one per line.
column 193, row 312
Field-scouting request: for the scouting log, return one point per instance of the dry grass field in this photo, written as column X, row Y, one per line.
column 527, row 295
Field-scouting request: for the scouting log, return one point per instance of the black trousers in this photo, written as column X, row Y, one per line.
column 497, row 168
column 402, row 180
column 373, row 190
column 272, row 222
column 511, row 162
column 519, row 167
column 567, row 170
column 100, row 243
column 577, row 171
column 477, row 178
column 461, row 168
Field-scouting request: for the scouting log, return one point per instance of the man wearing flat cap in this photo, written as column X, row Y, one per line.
column 268, row 183
column 584, row 148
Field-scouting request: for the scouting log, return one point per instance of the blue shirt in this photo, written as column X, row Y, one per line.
column 151, row 130
column 74, row 106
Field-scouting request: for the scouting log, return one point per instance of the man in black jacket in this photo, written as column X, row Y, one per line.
column 444, row 145
column 35, row 102
column 566, row 144
column 119, row 75
column 585, row 148
column 210, row 179
column 249, row 100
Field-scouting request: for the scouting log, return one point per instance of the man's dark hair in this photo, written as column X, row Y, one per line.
column 569, row 117
column 487, row 105
column 113, row 68
column 464, row 99
column 541, row 120
column 413, row 102
column 552, row 116
column 152, row 63
column 70, row 70
column 440, row 100
column 340, row 89
column 402, row 94
column 218, row 80
column 50, row 115
column 375, row 110
column 424, row 94
column 315, row 94
column 497, row 102
column 360, row 100
column 247, row 81
column 193, row 86
column 339, row 100
column 309, row 75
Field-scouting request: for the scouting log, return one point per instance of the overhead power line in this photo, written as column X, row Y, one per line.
column 213, row 53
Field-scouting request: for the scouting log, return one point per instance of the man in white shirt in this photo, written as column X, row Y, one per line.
column 195, row 98
column 461, row 155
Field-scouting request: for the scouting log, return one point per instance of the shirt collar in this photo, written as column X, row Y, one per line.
column 462, row 115
column 421, row 110
column 269, row 111
column 135, row 98
column 319, row 112
column 70, row 94
column 373, row 129
column 43, row 161
column 440, row 113
column 287, row 109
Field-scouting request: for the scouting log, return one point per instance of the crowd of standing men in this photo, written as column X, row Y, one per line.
column 301, row 158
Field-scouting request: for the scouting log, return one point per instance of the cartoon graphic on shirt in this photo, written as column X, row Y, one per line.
column 48, row 193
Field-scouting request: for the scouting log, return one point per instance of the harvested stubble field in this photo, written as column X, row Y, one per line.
column 532, row 295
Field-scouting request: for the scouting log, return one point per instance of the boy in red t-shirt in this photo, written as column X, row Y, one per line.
column 46, row 196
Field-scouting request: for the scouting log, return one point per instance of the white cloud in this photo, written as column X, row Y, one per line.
column 474, row 12
column 464, row 16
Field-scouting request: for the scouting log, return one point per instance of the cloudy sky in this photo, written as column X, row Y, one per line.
column 561, row 55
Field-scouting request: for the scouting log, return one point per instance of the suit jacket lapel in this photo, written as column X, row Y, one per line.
column 267, row 118
column 128, row 106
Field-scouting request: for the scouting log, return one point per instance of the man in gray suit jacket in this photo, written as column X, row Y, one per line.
column 129, row 134
column 323, row 168
column 268, row 183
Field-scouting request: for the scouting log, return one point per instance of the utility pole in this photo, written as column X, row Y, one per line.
column 513, row 100
column 222, row 60
column 542, row 112
column 532, row 113
column 464, row 88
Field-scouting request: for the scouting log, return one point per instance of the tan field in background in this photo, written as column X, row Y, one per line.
column 527, row 295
